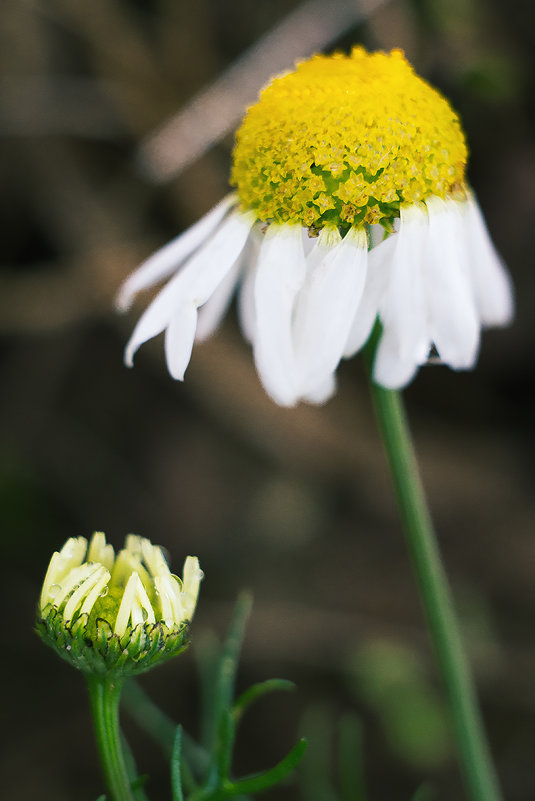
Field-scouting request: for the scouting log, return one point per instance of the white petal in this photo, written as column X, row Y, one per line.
column 405, row 341
column 280, row 275
column 404, row 310
column 213, row 311
column 390, row 368
column 166, row 260
column 322, row 391
column 309, row 242
column 492, row 284
column 246, row 304
column 246, row 307
column 211, row 314
column 377, row 235
column 454, row 324
column 377, row 275
column 326, row 306
column 197, row 280
column 179, row 338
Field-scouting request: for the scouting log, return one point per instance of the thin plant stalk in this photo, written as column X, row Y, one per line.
column 474, row 756
column 104, row 694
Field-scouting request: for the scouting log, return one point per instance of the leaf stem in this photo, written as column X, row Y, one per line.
column 474, row 756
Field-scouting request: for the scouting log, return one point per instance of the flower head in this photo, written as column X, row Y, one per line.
column 350, row 205
column 344, row 141
column 124, row 613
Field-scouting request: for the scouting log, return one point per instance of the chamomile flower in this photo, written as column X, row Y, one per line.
column 120, row 614
column 350, row 205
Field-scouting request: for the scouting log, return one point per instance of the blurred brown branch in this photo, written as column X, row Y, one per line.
column 215, row 111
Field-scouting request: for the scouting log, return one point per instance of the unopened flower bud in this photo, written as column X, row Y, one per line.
column 119, row 613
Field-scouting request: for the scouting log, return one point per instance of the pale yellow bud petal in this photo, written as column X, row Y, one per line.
column 192, row 576
column 85, row 587
column 99, row 551
column 125, row 608
column 99, row 588
column 71, row 555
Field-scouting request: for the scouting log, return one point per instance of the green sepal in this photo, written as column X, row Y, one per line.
column 97, row 650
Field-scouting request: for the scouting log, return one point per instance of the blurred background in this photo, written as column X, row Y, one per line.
column 116, row 122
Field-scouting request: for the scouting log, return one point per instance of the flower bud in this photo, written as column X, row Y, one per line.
column 119, row 613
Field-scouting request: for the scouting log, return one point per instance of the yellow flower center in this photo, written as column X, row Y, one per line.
column 344, row 140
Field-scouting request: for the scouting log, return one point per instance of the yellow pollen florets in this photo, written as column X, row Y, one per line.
column 344, row 140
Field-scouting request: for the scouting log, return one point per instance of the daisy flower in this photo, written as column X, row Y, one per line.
column 350, row 205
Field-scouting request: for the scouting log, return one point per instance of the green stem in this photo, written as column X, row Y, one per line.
column 474, row 756
column 104, row 694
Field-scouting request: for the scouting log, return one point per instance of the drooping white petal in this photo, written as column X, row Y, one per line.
column 405, row 341
column 390, row 368
column 321, row 392
column 213, row 311
column 179, row 338
column 377, row 275
column 246, row 304
column 166, row 260
column 492, row 284
column 326, row 306
column 194, row 284
column 279, row 277
column 404, row 309
column 453, row 319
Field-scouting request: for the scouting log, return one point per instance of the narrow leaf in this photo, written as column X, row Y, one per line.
column 231, row 651
column 222, row 741
column 257, row 691
column 176, row 778
column 261, row 781
column 225, row 744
